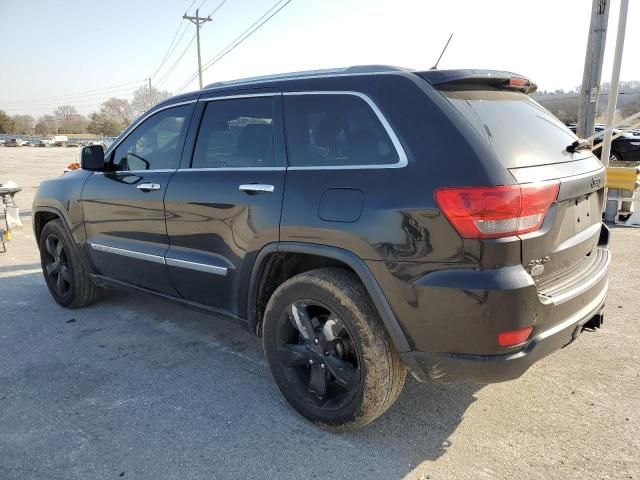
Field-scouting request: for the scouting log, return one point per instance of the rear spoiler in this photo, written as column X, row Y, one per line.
column 489, row 78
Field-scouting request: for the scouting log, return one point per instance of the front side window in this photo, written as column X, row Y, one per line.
column 236, row 133
column 156, row 144
column 335, row 130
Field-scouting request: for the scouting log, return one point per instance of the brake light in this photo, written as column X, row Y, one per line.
column 518, row 82
column 499, row 211
column 515, row 337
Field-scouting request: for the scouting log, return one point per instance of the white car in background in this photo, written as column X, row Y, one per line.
column 46, row 142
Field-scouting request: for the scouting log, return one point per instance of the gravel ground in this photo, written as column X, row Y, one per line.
column 136, row 387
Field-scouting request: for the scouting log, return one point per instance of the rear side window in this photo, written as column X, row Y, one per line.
column 236, row 133
column 325, row 130
column 519, row 130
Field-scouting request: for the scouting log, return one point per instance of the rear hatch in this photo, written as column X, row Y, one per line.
column 561, row 254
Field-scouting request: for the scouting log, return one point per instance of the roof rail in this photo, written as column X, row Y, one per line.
column 357, row 69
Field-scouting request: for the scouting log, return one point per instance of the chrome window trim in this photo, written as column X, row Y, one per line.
column 121, row 172
column 200, row 267
column 230, row 169
column 141, row 119
column 127, row 253
column 402, row 155
column 233, row 97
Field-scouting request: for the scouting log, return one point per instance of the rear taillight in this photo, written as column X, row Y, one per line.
column 499, row 211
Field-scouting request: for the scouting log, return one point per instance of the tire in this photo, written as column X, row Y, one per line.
column 64, row 272
column 614, row 157
column 362, row 371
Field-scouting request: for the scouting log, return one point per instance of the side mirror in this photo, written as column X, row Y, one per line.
column 92, row 158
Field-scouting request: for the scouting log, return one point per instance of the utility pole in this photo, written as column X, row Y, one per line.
column 590, row 92
column 197, row 21
column 615, row 80
column 149, row 85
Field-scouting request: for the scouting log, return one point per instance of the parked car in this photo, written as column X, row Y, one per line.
column 26, row 143
column 14, row 142
column 45, row 142
column 424, row 221
column 60, row 140
column 623, row 148
column 2, row 143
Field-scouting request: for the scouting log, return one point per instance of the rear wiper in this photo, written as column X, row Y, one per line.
column 586, row 142
column 579, row 144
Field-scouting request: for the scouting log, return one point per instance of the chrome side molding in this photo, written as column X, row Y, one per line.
column 172, row 262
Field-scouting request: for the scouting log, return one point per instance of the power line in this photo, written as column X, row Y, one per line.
column 75, row 103
column 243, row 36
column 174, row 44
column 35, row 99
column 215, row 10
column 239, row 39
column 83, row 97
column 168, row 72
column 170, row 49
column 573, row 97
column 198, row 21
column 175, row 64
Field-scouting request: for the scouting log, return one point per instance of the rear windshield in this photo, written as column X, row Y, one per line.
column 517, row 128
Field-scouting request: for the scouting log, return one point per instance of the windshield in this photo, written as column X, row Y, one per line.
column 518, row 129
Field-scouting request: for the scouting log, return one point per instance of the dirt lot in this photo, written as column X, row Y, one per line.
column 135, row 387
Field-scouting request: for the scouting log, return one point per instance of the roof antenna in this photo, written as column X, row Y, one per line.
column 435, row 67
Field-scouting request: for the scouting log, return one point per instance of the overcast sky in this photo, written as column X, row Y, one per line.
column 73, row 51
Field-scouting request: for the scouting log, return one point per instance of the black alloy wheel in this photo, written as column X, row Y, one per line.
column 56, row 266
column 318, row 353
column 64, row 271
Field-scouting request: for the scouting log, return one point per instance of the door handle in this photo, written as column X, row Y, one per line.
column 148, row 187
column 253, row 188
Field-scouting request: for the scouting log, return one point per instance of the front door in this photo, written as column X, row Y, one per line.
column 225, row 205
column 124, row 206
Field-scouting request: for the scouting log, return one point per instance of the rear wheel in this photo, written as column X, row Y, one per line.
column 64, row 272
column 614, row 157
column 328, row 350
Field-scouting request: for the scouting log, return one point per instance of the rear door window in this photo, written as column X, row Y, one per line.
column 335, row 130
column 236, row 133
column 519, row 130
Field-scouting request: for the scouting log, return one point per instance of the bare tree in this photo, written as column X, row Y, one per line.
column 102, row 124
column 69, row 120
column 23, row 124
column 144, row 98
column 47, row 125
column 119, row 110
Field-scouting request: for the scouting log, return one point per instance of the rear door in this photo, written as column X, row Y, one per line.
column 123, row 208
column 224, row 205
column 531, row 143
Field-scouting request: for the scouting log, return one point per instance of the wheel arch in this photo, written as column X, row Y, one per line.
column 45, row 214
column 333, row 256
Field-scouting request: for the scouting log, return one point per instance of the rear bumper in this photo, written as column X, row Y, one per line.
column 456, row 367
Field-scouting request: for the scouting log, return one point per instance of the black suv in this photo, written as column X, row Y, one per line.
column 363, row 221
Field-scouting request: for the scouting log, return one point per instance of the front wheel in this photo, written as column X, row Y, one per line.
column 328, row 350
column 65, row 274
